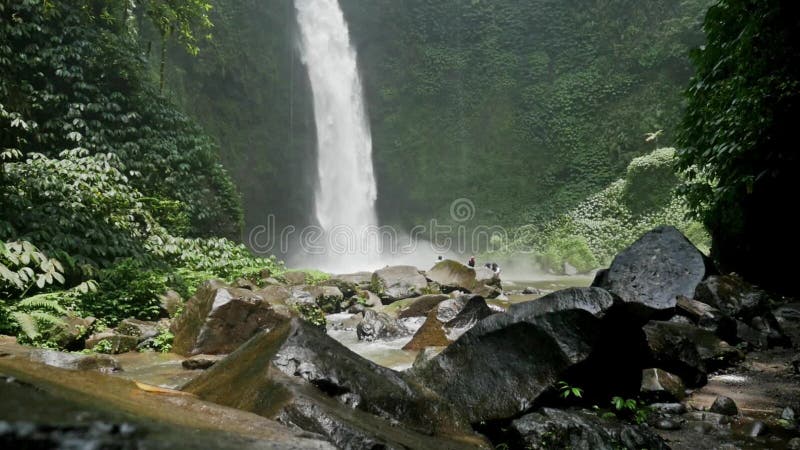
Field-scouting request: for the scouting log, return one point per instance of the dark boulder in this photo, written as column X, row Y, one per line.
column 376, row 325
column 549, row 428
column 656, row 269
column 302, row 377
column 745, row 312
column 474, row 309
column 725, row 406
column 594, row 300
column 733, row 296
column 219, row 318
column 688, row 351
column 394, row 283
column 503, row 364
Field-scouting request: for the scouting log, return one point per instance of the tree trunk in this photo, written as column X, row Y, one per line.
column 163, row 60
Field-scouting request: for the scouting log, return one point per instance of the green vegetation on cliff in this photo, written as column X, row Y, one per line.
column 101, row 178
column 525, row 107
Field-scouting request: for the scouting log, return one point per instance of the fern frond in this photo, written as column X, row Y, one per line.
column 26, row 323
column 46, row 317
column 42, row 302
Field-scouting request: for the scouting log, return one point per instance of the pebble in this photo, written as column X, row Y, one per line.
column 668, row 424
column 788, row 414
column 756, row 429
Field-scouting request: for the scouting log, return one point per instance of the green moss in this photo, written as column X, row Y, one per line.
column 650, row 180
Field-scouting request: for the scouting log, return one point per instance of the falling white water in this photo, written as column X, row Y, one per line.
column 346, row 192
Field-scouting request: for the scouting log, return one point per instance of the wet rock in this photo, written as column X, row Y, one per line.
column 755, row 429
column 669, row 408
column 724, row 405
column 201, row 362
column 421, row 306
column 398, row 282
column 788, row 414
column 425, row 355
column 376, row 325
column 499, row 348
column 347, row 288
column 328, row 298
column 170, row 303
column 656, row 269
column 431, row 333
column 668, row 424
column 274, row 295
column 142, row 329
column 701, row 427
column 688, row 351
column 794, row 444
column 714, row 418
column 45, row 407
column 111, row 342
column 796, row 365
column 360, row 279
column 581, row 430
column 244, row 283
column 702, row 314
column 594, row 300
column 73, row 361
column 743, row 311
column 302, row 377
column 660, row 385
column 71, row 332
column 532, row 291
column 453, row 276
column 474, row 309
column 348, row 324
column 732, row 295
column 219, row 318
column 295, row 277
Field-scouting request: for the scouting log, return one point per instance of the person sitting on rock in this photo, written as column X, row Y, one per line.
column 471, row 261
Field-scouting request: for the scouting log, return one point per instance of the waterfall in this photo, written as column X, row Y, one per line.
column 346, row 192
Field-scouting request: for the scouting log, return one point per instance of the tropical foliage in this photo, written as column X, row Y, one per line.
column 739, row 135
column 109, row 195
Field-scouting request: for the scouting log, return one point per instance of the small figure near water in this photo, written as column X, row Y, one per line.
column 496, row 269
column 471, row 261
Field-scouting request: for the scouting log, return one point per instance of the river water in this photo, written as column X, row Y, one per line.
column 390, row 353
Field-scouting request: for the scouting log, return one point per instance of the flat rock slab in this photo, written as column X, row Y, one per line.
column 300, row 376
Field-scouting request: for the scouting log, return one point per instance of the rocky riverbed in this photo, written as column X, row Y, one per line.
column 661, row 351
